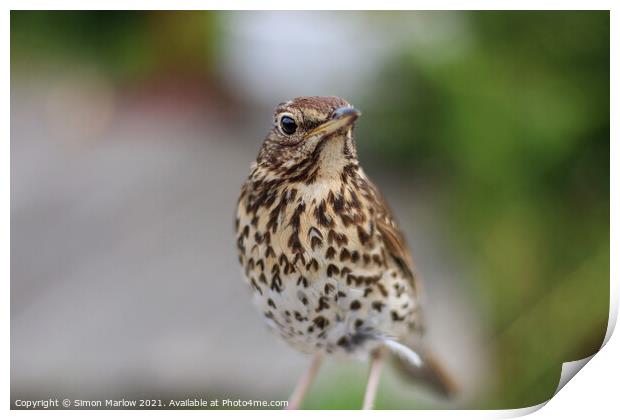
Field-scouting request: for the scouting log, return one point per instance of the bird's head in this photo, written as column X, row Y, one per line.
column 311, row 138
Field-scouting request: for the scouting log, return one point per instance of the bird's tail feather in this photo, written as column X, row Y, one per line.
column 419, row 364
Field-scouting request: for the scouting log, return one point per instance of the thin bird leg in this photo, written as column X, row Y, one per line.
column 376, row 363
column 304, row 383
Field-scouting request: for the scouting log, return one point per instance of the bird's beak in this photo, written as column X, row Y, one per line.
column 341, row 118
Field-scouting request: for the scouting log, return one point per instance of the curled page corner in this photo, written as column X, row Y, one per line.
column 520, row 412
column 569, row 370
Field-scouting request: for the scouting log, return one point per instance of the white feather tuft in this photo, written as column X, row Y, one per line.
column 404, row 352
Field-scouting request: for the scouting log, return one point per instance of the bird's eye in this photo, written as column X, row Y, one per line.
column 288, row 125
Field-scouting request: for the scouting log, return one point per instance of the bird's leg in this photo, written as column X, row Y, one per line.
column 376, row 363
column 304, row 383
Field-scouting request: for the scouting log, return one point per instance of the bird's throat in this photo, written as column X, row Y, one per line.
column 332, row 158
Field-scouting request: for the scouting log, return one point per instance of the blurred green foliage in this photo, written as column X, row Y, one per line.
column 510, row 131
column 514, row 134
column 128, row 45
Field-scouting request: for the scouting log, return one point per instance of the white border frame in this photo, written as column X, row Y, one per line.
column 594, row 393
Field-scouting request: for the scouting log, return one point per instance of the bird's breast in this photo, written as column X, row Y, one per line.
column 318, row 270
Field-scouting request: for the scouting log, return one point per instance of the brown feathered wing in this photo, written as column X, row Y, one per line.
column 430, row 373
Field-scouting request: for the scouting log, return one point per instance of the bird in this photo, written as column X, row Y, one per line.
column 327, row 266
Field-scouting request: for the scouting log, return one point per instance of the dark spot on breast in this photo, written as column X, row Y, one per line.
column 395, row 316
column 271, row 303
column 362, row 235
column 337, row 201
column 299, row 256
column 322, row 304
column 321, row 216
column 331, row 270
column 355, row 305
column 368, row 280
column 289, row 268
column 262, row 278
column 294, row 243
column 339, row 238
column 400, row 289
column 351, row 278
column 302, row 281
column 331, row 252
column 312, row 265
column 296, row 217
column 256, row 287
column 355, row 256
column 272, row 223
column 345, row 254
column 377, row 305
column 343, row 342
column 302, row 297
column 276, row 283
column 328, row 288
column 321, row 322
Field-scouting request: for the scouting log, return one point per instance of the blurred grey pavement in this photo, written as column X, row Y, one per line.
column 124, row 277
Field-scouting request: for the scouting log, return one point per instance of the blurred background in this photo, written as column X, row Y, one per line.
column 132, row 132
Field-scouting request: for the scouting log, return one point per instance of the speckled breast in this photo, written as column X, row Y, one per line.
column 318, row 270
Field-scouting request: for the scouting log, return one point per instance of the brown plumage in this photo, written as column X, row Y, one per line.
column 327, row 264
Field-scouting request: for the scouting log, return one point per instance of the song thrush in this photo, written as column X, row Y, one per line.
column 327, row 265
